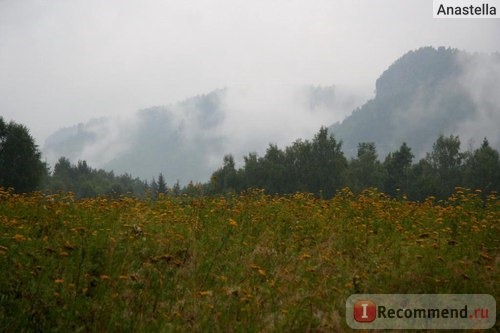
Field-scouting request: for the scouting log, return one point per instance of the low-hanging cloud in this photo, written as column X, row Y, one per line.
column 97, row 141
column 481, row 81
column 261, row 114
column 111, row 140
column 187, row 140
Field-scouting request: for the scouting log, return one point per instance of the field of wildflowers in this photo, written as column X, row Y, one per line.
column 249, row 262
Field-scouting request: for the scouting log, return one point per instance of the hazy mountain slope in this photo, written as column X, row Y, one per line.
column 188, row 140
column 175, row 140
column 426, row 93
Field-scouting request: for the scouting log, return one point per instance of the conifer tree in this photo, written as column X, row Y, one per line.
column 162, row 185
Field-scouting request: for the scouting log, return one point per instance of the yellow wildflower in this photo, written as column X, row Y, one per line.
column 19, row 238
column 233, row 223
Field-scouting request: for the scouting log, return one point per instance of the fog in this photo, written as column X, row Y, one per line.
column 268, row 113
column 481, row 80
column 65, row 62
column 187, row 140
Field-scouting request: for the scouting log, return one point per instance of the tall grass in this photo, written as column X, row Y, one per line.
column 251, row 262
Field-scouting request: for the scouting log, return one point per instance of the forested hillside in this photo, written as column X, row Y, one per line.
column 426, row 93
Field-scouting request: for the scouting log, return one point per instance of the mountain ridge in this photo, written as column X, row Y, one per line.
column 422, row 95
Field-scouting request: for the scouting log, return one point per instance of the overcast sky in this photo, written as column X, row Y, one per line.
column 66, row 61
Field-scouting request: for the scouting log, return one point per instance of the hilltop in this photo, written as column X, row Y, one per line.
column 426, row 93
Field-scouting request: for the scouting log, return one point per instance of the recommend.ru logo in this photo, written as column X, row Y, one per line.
column 421, row 311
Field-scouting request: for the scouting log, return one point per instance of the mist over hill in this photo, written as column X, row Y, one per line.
column 187, row 140
column 426, row 93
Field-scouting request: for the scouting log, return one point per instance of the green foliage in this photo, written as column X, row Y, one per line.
column 225, row 179
column 365, row 171
column 424, row 181
column 398, row 167
column 482, row 168
column 86, row 182
column 162, row 185
column 20, row 164
column 316, row 166
column 319, row 167
column 446, row 163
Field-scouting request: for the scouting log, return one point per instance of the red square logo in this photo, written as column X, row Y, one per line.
column 365, row 311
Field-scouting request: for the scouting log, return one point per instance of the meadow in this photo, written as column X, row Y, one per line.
column 249, row 262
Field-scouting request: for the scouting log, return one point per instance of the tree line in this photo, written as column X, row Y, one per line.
column 87, row 182
column 317, row 166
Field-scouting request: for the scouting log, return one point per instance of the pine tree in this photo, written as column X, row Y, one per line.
column 176, row 190
column 162, row 185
